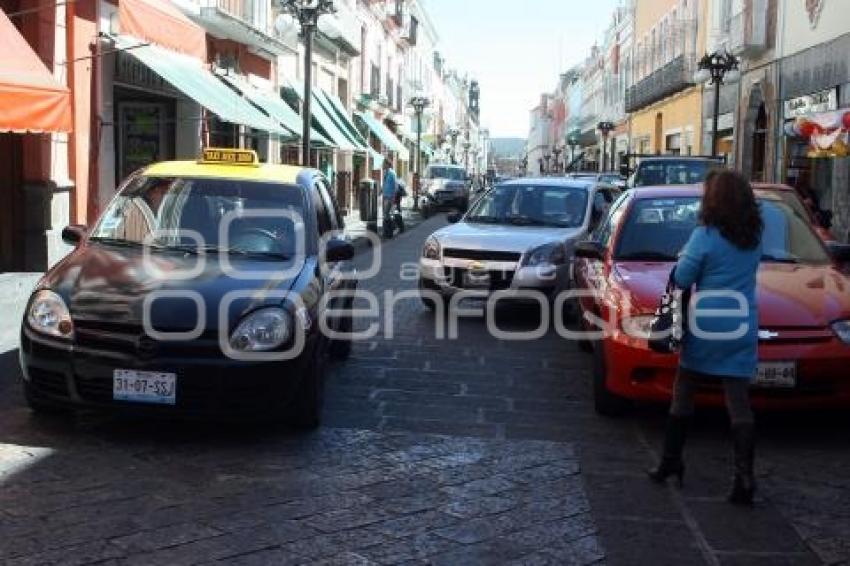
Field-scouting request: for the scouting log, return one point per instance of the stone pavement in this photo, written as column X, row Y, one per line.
column 469, row 451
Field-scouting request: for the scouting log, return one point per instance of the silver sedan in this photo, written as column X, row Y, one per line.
column 518, row 235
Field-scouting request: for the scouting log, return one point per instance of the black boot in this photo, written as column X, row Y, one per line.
column 743, row 445
column 671, row 460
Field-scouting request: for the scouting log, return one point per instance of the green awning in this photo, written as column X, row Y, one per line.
column 336, row 107
column 276, row 108
column 385, row 135
column 324, row 121
column 188, row 75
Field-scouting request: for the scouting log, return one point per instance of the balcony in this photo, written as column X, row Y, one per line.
column 748, row 29
column 246, row 21
column 342, row 29
column 673, row 77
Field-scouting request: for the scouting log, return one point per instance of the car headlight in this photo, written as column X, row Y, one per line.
column 431, row 250
column 842, row 330
column 49, row 315
column 262, row 330
column 549, row 254
column 638, row 326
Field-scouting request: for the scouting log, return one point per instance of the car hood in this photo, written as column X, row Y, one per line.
column 110, row 284
column 811, row 296
column 444, row 184
column 500, row 237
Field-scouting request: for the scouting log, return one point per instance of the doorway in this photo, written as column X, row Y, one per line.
column 12, row 213
column 659, row 129
column 759, row 145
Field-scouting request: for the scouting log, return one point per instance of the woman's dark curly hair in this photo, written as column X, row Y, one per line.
column 729, row 205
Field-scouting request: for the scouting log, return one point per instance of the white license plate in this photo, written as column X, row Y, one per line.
column 776, row 374
column 144, row 386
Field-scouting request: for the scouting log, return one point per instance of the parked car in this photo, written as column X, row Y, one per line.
column 820, row 222
column 804, row 305
column 657, row 170
column 519, row 234
column 445, row 186
column 141, row 317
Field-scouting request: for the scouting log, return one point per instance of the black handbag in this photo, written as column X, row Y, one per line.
column 667, row 328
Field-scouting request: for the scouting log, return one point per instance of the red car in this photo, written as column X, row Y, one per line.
column 803, row 296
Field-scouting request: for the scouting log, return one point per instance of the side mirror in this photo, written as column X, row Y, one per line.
column 839, row 252
column 73, row 234
column 453, row 217
column 338, row 250
column 589, row 249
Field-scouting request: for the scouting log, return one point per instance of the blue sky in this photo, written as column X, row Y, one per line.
column 515, row 49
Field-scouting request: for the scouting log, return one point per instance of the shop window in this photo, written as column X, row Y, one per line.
column 673, row 144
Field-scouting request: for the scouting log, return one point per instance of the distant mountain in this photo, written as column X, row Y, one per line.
column 507, row 147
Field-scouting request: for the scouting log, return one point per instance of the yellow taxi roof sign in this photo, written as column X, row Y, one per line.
column 229, row 156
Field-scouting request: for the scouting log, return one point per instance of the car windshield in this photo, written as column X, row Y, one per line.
column 531, row 205
column 657, row 230
column 445, row 172
column 673, row 172
column 151, row 211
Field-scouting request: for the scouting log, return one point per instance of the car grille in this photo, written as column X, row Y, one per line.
column 48, row 382
column 483, row 255
column 499, row 280
column 127, row 340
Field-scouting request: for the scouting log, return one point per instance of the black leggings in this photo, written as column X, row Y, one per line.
column 736, row 392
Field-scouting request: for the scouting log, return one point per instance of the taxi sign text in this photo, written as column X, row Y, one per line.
column 230, row 156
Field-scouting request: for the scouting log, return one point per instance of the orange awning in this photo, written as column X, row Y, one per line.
column 31, row 100
column 162, row 23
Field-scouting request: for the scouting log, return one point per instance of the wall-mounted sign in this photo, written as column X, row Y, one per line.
column 823, row 101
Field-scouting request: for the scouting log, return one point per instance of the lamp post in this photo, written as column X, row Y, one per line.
column 466, row 146
column 605, row 128
column 713, row 68
column 453, row 134
column 419, row 104
column 557, row 150
column 307, row 12
column 572, row 141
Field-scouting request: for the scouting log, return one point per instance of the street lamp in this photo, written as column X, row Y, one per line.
column 453, row 134
column 557, row 150
column 605, row 128
column 713, row 69
column 466, row 146
column 419, row 103
column 572, row 141
column 307, row 12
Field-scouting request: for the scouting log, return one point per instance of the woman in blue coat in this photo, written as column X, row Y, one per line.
column 721, row 261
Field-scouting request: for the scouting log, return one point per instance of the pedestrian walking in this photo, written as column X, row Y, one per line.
column 390, row 188
column 723, row 254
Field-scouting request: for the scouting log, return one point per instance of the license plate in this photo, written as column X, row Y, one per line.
column 144, row 386
column 776, row 374
column 476, row 280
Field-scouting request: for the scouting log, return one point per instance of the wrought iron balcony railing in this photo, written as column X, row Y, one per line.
column 675, row 76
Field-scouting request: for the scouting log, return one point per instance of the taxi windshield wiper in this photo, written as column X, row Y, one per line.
column 522, row 220
column 115, row 241
column 483, row 218
column 191, row 249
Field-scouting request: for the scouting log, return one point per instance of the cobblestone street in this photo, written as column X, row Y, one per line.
column 432, row 451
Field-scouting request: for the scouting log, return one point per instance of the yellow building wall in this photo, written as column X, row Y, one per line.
column 681, row 113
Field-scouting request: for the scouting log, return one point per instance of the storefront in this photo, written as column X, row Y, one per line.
column 35, row 109
column 815, row 98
